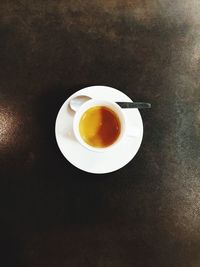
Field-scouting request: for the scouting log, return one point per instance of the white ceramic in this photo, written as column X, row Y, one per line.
column 98, row 102
column 88, row 159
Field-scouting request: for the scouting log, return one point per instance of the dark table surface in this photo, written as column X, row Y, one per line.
column 146, row 214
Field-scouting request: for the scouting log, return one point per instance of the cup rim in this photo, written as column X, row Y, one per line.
column 99, row 102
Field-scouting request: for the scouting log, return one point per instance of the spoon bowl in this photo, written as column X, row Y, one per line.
column 78, row 101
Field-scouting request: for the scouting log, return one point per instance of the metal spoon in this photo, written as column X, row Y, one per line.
column 77, row 101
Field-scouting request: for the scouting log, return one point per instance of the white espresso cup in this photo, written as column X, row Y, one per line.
column 125, row 130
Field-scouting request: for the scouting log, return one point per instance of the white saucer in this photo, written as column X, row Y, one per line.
column 90, row 161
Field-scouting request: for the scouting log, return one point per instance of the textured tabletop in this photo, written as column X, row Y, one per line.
column 147, row 214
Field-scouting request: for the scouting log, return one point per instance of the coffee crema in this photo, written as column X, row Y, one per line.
column 99, row 126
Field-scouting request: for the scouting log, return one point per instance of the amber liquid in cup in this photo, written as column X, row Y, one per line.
column 99, row 126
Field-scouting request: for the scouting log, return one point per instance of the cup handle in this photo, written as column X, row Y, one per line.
column 133, row 131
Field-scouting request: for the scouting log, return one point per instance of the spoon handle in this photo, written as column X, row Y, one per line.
column 134, row 105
